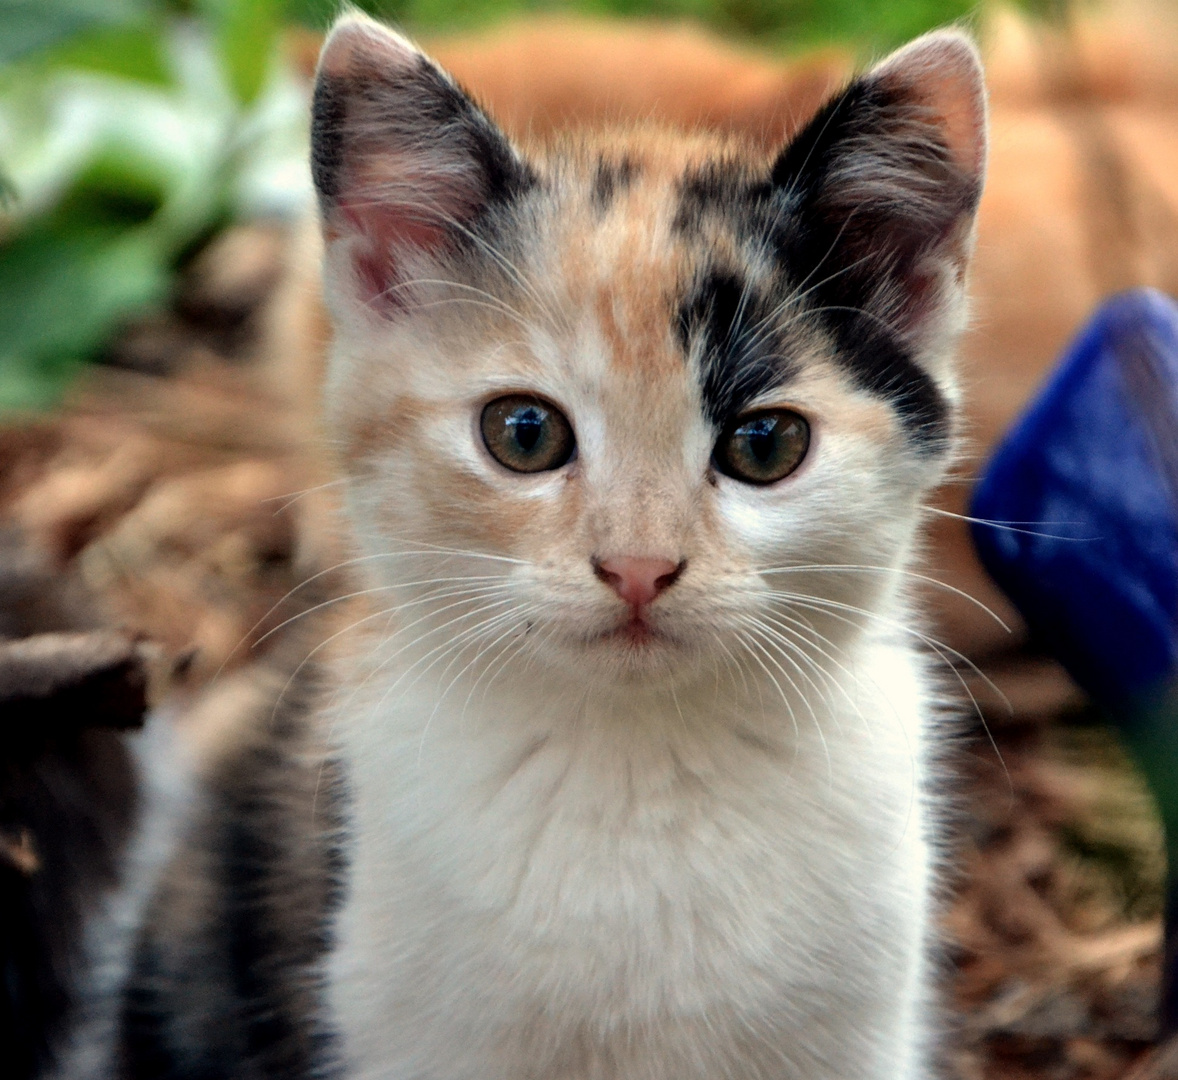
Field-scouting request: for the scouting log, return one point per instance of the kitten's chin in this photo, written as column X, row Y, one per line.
column 635, row 650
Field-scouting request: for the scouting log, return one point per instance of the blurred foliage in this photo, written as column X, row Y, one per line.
column 131, row 130
column 1113, row 844
column 878, row 24
column 28, row 25
column 246, row 31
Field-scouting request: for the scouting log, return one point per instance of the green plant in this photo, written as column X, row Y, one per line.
column 129, row 132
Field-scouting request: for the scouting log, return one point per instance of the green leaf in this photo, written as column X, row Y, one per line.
column 129, row 53
column 65, row 291
column 247, row 33
column 116, row 189
column 27, row 26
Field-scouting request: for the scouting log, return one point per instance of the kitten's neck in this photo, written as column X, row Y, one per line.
column 770, row 705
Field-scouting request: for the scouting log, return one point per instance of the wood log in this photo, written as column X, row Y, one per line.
column 58, row 682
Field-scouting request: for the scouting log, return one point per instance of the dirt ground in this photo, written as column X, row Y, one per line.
column 172, row 499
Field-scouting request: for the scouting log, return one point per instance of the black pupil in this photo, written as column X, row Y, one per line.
column 762, row 440
column 527, row 425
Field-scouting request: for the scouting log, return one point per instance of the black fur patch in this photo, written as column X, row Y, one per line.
column 506, row 176
column 328, row 113
column 68, row 802
column 610, row 178
column 739, row 361
column 880, row 364
column 225, row 981
column 837, row 251
column 74, row 797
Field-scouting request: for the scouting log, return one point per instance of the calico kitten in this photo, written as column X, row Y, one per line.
column 637, row 742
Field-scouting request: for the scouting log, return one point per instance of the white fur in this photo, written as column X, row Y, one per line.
column 573, row 882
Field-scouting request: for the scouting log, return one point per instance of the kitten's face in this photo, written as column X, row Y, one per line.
column 651, row 384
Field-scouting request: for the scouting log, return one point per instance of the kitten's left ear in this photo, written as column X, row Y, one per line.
column 886, row 181
column 404, row 163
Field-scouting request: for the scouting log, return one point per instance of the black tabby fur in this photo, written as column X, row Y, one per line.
column 855, row 263
column 224, row 982
column 68, row 790
column 611, row 178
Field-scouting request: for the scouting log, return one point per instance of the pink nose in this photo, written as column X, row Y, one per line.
column 638, row 581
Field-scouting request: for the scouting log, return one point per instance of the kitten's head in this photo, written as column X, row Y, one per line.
column 642, row 397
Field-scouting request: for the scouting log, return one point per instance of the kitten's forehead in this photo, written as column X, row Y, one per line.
column 618, row 263
column 695, row 266
column 626, row 261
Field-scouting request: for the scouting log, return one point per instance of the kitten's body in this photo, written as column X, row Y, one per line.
column 602, row 825
column 564, row 883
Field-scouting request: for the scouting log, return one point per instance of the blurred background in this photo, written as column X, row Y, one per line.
column 163, row 496
column 132, row 131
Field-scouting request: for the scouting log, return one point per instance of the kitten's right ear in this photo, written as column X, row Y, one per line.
column 403, row 161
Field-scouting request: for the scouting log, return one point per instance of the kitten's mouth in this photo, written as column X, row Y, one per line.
column 635, row 632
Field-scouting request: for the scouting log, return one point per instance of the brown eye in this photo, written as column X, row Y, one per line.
column 526, row 434
column 762, row 447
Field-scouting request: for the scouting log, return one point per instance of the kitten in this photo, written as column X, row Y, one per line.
column 637, row 746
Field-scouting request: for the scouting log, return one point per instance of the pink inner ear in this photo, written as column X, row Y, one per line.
column 963, row 113
column 388, row 228
column 385, row 234
column 400, row 184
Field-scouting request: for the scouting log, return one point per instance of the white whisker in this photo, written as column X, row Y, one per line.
column 799, row 629
column 425, row 635
column 1022, row 527
column 755, row 638
column 939, row 648
column 511, row 619
column 432, row 595
column 854, row 568
column 293, row 497
column 747, row 640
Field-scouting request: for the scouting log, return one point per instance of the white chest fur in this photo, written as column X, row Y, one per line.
column 564, row 886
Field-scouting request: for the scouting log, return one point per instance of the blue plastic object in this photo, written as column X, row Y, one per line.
column 1082, row 497
column 1086, row 484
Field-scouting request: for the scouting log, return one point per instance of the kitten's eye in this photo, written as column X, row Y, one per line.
column 526, row 434
column 762, row 447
